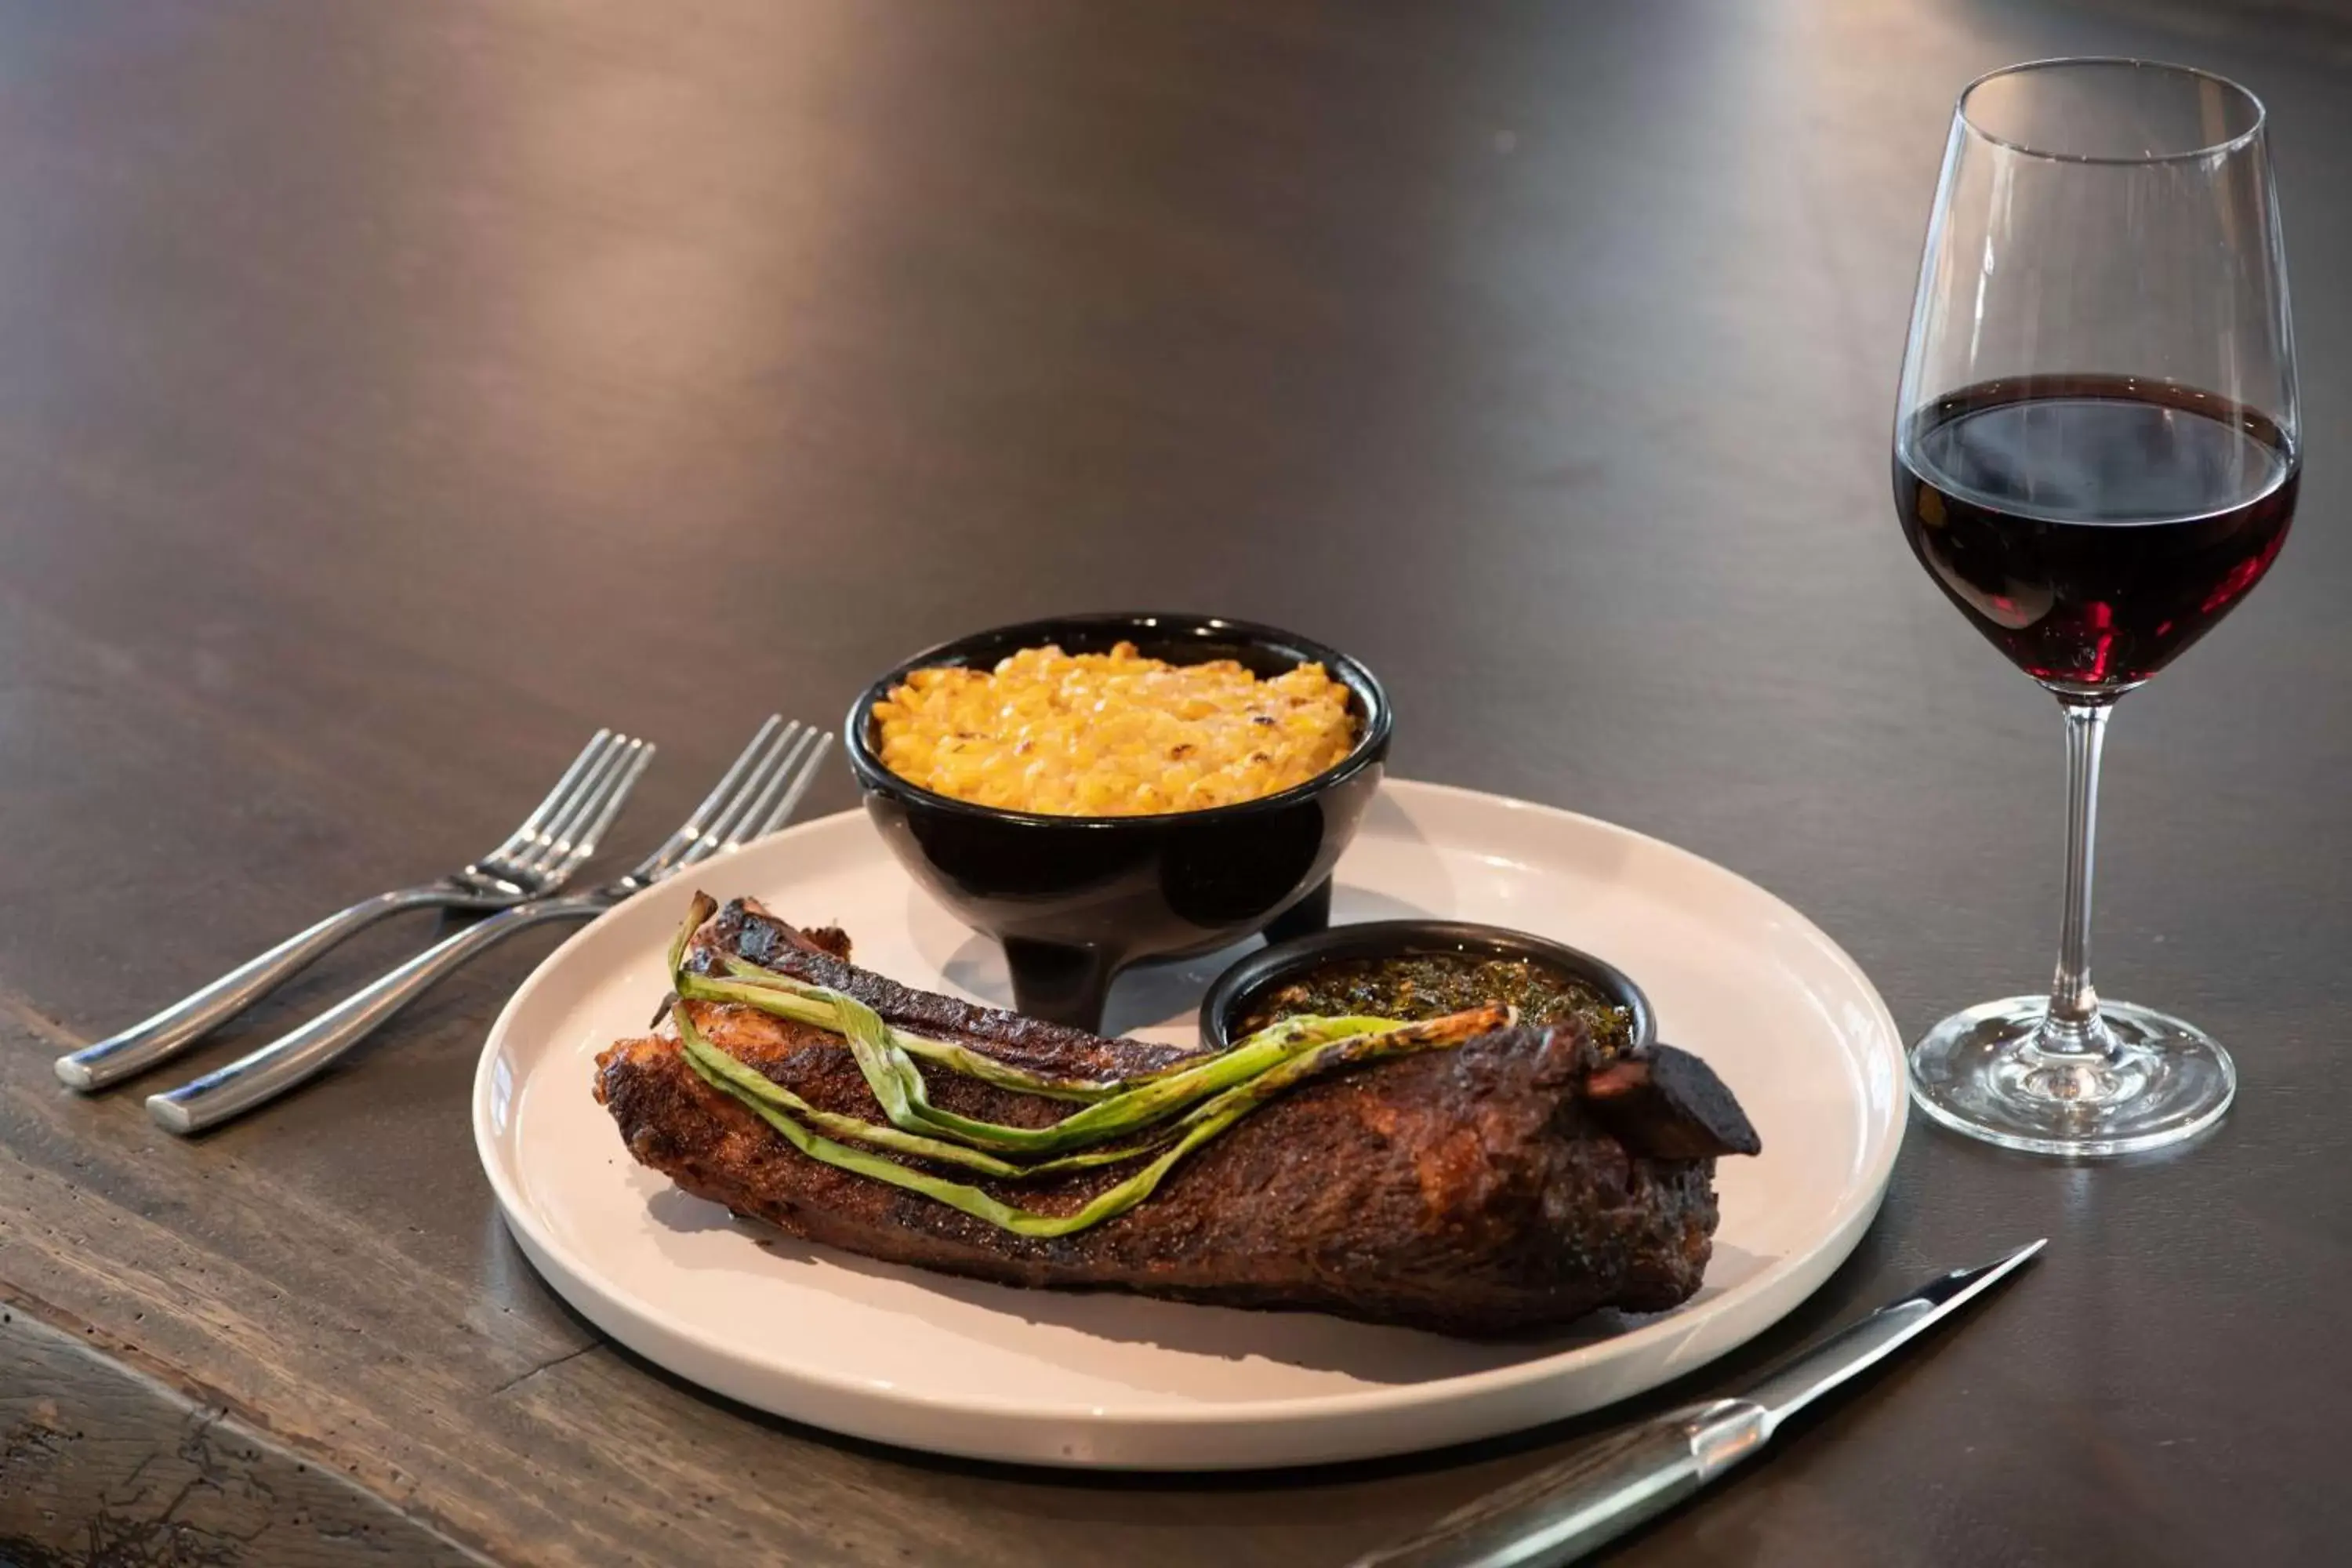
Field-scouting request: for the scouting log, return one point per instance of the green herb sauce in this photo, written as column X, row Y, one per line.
column 1430, row 985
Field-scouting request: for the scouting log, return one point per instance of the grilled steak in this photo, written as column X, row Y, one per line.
column 1515, row 1183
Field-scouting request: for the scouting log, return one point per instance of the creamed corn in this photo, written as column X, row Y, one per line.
column 1112, row 734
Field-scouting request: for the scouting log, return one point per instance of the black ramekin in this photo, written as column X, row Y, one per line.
column 1235, row 991
column 1075, row 899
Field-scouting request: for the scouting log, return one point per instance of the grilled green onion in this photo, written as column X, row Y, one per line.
column 1204, row 1123
column 749, row 1084
column 1172, row 1110
column 956, row 1058
column 898, row 1087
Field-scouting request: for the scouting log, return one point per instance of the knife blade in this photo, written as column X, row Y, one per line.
column 1613, row 1483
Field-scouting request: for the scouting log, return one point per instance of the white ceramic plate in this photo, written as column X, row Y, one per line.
column 909, row 1357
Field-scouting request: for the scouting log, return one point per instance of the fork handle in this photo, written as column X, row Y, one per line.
column 264, row 1075
column 190, row 1019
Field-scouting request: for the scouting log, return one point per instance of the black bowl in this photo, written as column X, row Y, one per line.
column 1236, row 990
column 1075, row 899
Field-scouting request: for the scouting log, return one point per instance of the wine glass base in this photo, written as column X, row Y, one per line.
column 1986, row 1072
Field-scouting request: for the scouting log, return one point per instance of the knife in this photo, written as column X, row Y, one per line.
column 1607, row 1487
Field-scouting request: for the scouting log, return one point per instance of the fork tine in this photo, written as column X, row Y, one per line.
column 806, row 775
column 556, row 797
column 693, row 828
column 786, row 783
column 584, row 843
column 722, row 833
column 525, row 863
column 686, row 844
column 555, row 839
column 516, row 864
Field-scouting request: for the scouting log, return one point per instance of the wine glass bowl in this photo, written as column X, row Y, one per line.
column 2096, row 457
column 2092, row 527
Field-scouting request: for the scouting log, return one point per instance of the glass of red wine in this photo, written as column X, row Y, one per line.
column 2096, row 452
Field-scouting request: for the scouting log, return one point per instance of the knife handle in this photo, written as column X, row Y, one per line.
column 1603, row 1490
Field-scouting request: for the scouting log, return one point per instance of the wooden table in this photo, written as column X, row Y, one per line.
column 391, row 393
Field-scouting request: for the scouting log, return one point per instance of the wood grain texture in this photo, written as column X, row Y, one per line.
column 101, row 1464
column 389, row 395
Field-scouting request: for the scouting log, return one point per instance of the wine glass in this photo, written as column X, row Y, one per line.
column 2096, row 452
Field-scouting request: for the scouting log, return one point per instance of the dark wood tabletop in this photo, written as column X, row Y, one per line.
column 390, row 395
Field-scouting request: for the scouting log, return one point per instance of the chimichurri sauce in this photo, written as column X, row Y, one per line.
column 1430, row 985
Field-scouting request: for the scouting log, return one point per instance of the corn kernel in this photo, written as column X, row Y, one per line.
column 1112, row 734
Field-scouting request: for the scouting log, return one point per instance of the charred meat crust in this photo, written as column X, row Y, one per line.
column 1479, row 1191
column 745, row 930
column 1669, row 1103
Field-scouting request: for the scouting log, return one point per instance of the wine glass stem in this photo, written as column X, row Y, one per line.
column 2073, row 1025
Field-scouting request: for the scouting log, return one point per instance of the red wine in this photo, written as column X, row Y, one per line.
column 2094, row 526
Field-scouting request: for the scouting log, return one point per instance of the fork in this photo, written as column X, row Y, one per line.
column 536, row 860
column 755, row 796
